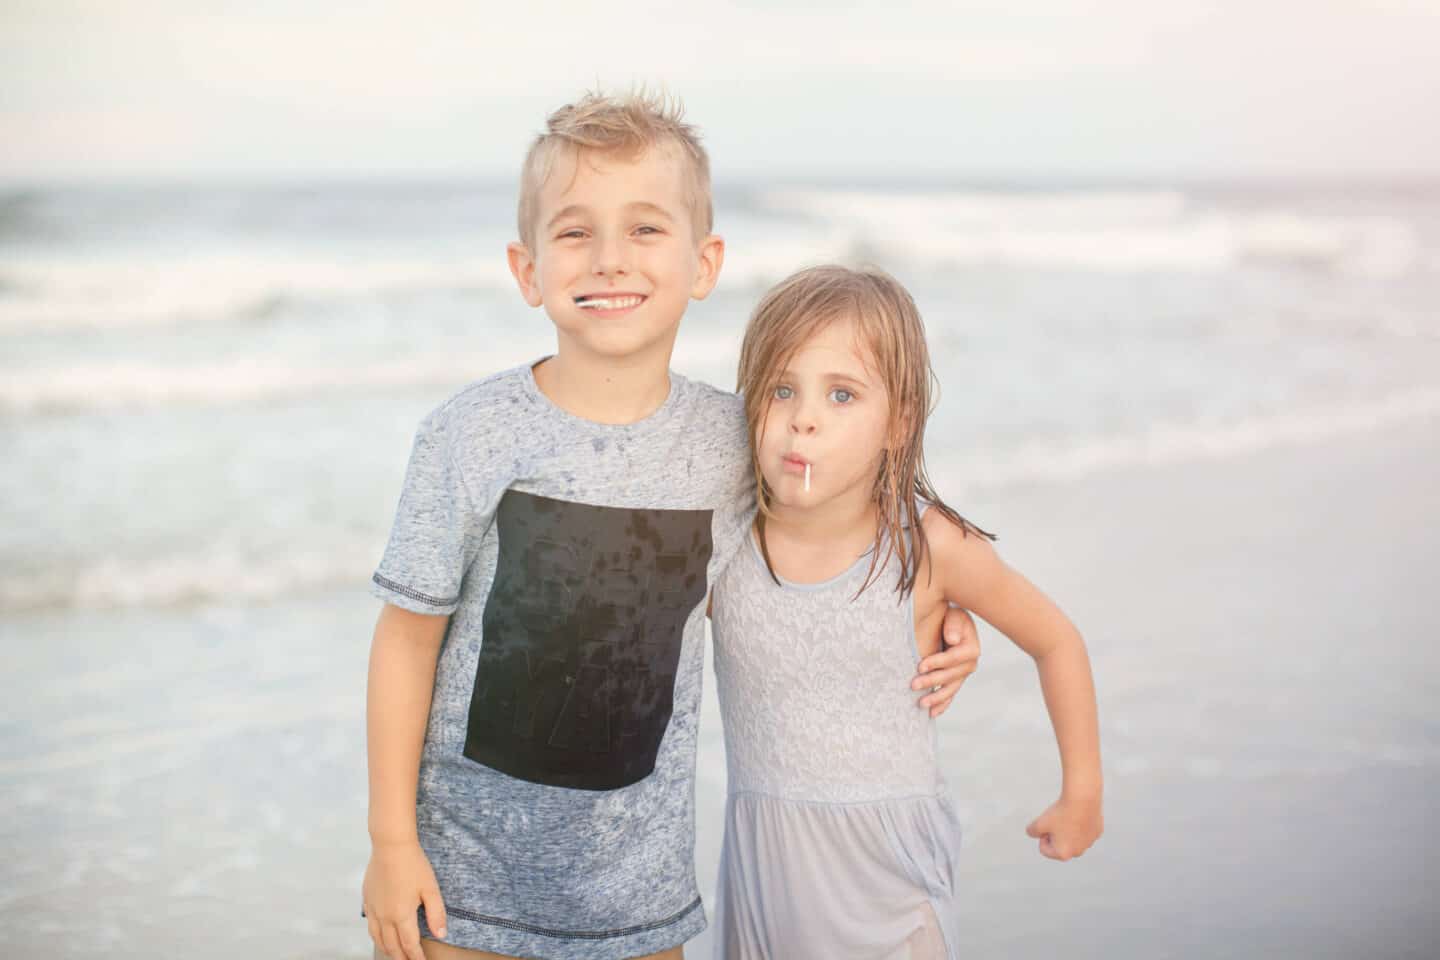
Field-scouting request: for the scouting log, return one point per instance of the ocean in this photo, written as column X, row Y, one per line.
column 207, row 398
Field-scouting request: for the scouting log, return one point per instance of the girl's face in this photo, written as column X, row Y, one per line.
column 830, row 412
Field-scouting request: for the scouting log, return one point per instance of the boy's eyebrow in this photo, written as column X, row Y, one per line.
column 651, row 208
column 564, row 212
column 576, row 208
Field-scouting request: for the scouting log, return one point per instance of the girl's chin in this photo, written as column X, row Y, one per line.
column 792, row 498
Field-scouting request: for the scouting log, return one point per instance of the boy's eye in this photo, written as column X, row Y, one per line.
column 841, row 395
column 569, row 234
column 647, row 230
column 783, row 392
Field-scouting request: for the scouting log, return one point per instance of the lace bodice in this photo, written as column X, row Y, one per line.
column 815, row 686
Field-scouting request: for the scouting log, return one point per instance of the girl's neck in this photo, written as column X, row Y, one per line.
column 843, row 520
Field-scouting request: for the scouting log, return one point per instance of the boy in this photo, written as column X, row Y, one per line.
column 572, row 512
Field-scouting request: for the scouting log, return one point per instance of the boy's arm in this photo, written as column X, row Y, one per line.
column 401, row 682
column 974, row 576
column 942, row 673
column 397, row 707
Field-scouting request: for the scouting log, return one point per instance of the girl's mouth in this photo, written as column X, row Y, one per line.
column 797, row 465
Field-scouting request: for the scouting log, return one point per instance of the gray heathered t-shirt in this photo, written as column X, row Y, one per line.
column 556, row 789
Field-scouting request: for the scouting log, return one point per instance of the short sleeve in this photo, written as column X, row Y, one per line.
column 437, row 530
column 735, row 512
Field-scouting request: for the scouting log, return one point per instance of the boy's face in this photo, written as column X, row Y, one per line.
column 615, row 259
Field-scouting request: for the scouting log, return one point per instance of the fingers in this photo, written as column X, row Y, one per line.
column 374, row 926
column 938, row 708
column 1052, row 846
column 948, row 682
column 434, row 910
column 1041, row 831
column 409, row 934
column 390, row 942
column 942, row 666
column 1059, row 849
column 943, row 693
column 958, row 627
column 966, row 656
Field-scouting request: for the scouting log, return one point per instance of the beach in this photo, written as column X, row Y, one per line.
column 1261, row 631
column 1205, row 419
column 1262, row 634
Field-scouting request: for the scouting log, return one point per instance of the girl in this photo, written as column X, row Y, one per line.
column 839, row 838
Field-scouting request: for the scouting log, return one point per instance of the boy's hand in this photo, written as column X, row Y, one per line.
column 399, row 879
column 1069, row 827
column 949, row 668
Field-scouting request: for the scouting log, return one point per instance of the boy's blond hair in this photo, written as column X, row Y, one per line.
column 627, row 126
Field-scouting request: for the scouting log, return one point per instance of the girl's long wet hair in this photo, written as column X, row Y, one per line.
column 888, row 323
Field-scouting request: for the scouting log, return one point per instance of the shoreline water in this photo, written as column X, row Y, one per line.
column 1260, row 630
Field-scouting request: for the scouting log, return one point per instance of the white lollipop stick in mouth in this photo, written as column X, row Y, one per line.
column 807, row 478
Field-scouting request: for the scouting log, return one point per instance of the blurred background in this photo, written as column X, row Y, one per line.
column 1180, row 269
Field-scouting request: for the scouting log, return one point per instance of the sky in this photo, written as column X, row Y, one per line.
column 998, row 90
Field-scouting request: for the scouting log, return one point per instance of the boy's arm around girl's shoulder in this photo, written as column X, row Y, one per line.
column 401, row 684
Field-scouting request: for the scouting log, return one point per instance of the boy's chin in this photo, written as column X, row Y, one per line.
column 618, row 345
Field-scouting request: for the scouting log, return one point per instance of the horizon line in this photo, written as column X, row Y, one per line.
column 920, row 177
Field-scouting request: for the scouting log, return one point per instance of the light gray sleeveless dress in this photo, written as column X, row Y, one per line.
column 840, row 841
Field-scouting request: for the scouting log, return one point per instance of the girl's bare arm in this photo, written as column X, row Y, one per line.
column 974, row 576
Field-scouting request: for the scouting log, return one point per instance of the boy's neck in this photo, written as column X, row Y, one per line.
column 604, row 390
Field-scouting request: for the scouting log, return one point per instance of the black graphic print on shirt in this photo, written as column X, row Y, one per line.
column 582, row 635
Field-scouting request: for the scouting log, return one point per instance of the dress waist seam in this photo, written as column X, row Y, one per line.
column 812, row 801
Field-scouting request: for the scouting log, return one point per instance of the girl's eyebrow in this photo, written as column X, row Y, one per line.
column 847, row 377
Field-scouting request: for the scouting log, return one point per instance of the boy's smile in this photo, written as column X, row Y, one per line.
column 616, row 259
column 609, row 304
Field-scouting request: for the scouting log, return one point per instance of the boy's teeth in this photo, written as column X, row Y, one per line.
column 611, row 303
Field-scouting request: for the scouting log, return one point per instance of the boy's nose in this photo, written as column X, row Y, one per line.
column 609, row 259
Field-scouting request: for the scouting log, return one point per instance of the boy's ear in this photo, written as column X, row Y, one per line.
column 712, row 257
column 522, row 267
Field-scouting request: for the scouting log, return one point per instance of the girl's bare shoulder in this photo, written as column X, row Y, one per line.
column 961, row 559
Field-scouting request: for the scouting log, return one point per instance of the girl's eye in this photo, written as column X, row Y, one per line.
column 841, row 395
column 571, row 234
column 646, row 230
column 783, row 392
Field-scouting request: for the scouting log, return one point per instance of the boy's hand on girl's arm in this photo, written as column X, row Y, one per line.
column 1069, row 827
column 949, row 668
column 398, row 879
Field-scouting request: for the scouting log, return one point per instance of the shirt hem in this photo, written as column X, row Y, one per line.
column 407, row 598
column 478, row 931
